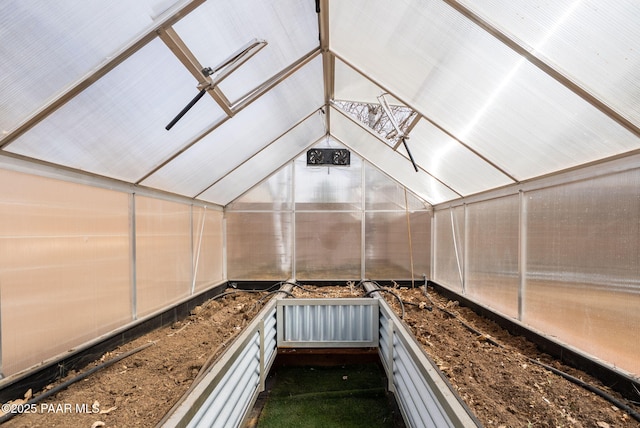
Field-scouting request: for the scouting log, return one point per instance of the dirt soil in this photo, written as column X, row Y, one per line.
column 139, row 390
column 499, row 384
column 494, row 374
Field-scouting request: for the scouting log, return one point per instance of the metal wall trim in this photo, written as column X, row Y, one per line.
column 133, row 257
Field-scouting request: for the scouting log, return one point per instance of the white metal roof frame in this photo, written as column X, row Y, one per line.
column 506, row 92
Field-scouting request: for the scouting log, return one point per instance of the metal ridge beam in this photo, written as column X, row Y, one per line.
column 328, row 59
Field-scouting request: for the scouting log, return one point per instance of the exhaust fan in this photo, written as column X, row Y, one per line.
column 340, row 157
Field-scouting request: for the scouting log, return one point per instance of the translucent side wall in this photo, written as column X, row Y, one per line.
column 72, row 269
column 563, row 259
column 328, row 223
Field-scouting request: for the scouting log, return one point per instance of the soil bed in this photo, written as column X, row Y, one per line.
column 139, row 390
column 499, row 384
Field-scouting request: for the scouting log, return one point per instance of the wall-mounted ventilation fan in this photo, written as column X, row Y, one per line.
column 339, row 157
column 315, row 157
column 219, row 73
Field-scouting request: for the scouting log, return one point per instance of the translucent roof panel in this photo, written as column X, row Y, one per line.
column 48, row 45
column 479, row 90
column 90, row 87
column 387, row 160
column 219, row 28
column 249, row 131
column 535, row 126
column 451, row 162
column 264, row 162
column 432, row 149
column 593, row 42
column 116, row 127
column 353, row 86
column 272, row 194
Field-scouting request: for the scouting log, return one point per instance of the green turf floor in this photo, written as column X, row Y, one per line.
column 343, row 396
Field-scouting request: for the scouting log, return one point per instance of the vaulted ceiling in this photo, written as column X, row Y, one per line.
column 495, row 92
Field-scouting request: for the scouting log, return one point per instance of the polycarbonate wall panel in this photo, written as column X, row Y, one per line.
column 583, row 269
column 163, row 253
column 597, row 46
column 70, row 38
column 328, row 245
column 328, row 205
column 259, row 245
column 65, row 270
column 207, row 247
column 568, row 252
column 397, row 245
column 491, row 270
column 448, row 261
column 116, row 127
column 328, row 187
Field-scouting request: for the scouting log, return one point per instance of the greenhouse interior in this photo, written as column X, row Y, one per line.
column 158, row 151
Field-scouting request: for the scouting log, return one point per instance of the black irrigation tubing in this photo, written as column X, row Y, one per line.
column 73, row 380
column 632, row 412
column 386, row 290
column 236, row 291
column 295, row 284
column 419, row 305
column 307, row 289
column 228, row 293
column 269, row 294
column 621, row 405
column 361, row 283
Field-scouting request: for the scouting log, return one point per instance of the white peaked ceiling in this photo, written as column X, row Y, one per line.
column 505, row 91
